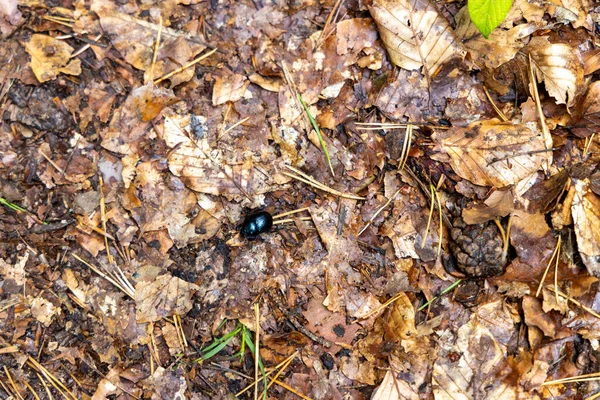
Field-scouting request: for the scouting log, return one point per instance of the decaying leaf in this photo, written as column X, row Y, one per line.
column 558, row 66
column 501, row 46
column 163, row 297
column 208, row 170
column 50, row 57
column 492, row 153
column 586, row 218
column 415, row 34
column 135, row 38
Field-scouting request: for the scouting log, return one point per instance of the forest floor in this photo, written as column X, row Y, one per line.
column 435, row 197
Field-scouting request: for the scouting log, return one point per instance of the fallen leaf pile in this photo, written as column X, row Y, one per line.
column 435, row 196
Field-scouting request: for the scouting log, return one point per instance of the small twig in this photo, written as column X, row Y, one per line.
column 290, row 212
column 380, row 308
column 313, row 182
column 159, row 33
column 572, row 300
column 186, row 66
column 118, row 285
column 383, row 207
column 256, row 346
column 59, row 169
column 498, row 111
column 274, row 296
column 283, row 221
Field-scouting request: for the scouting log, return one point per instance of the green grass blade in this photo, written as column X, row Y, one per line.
column 449, row 288
column 319, row 135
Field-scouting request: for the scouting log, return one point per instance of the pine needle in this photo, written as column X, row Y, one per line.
column 318, row 131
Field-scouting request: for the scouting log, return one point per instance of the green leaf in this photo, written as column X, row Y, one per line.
column 488, row 14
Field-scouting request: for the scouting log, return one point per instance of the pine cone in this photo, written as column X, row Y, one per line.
column 478, row 249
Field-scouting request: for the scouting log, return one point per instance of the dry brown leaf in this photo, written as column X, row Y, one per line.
column 135, row 38
column 208, row 170
column 415, row 34
column 586, row 218
column 493, row 153
column 50, row 57
column 499, row 204
column 481, row 353
column 501, row 46
column 229, row 88
column 558, row 66
column 163, row 297
column 131, row 120
column 535, row 316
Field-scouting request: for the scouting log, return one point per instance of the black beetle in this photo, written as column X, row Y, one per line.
column 256, row 224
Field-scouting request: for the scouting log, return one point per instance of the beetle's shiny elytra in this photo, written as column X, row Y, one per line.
column 256, row 224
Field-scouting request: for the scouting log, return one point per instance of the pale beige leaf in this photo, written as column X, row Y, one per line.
column 493, row 153
column 586, row 218
column 208, row 170
column 163, row 297
column 558, row 66
column 415, row 34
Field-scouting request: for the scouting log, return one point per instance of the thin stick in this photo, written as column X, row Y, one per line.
column 269, row 371
column 318, row 132
column 290, row 212
column 31, row 390
column 283, row 221
column 572, row 300
column 160, row 26
column 536, row 96
column 103, row 218
column 380, row 308
column 405, row 146
column 432, row 198
column 498, row 111
column 105, row 276
column 232, row 127
column 449, row 288
column 59, row 169
column 83, row 223
column 12, row 383
column 387, row 203
column 256, row 344
column 572, row 378
column 186, row 66
column 556, row 249
column 441, row 232
column 54, row 381
column 48, row 392
column 84, row 48
column 313, row 182
column 291, row 389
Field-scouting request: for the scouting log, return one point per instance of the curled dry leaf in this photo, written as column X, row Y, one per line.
column 163, row 297
column 415, row 34
column 50, row 57
column 558, row 66
column 492, row 153
column 586, row 217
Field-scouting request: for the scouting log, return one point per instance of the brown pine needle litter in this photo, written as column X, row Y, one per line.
column 554, row 254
